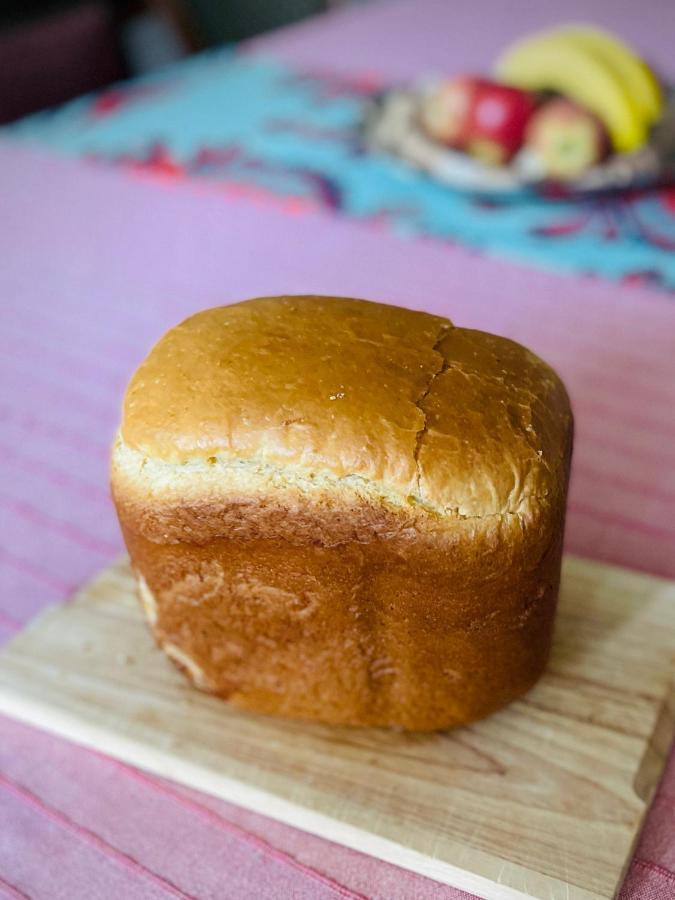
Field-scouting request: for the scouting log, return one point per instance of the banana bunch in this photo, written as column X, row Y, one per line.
column 596, row 70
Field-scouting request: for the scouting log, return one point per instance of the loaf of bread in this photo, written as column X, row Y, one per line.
column 345, row 511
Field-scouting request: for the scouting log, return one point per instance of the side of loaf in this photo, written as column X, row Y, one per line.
column 346, row 511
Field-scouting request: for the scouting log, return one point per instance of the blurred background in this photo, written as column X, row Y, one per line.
column 53, row 50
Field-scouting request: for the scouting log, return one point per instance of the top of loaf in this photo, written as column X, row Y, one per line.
column 454, row 420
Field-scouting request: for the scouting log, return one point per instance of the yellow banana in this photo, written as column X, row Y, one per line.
column 637, row 77
column 550, row 61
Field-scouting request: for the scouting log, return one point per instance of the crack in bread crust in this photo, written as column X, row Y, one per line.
column 419, row 403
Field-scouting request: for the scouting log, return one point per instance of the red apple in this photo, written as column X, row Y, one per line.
column 482, row 117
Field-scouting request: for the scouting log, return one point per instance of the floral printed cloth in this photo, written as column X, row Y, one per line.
column 255, row 125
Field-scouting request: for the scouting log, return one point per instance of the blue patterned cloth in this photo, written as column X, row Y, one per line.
column 255, row 123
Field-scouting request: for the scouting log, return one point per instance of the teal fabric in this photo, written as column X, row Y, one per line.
column 251, row 121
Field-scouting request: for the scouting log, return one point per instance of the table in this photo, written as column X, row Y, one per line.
column 94, row 264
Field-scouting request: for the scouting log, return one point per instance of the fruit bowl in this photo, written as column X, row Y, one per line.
column 392, row 125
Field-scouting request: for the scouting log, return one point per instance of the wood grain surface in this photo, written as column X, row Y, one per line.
column 544, row 799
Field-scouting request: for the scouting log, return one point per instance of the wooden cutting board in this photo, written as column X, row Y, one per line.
column 544, row 799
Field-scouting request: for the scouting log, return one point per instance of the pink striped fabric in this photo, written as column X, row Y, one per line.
column 93, row 268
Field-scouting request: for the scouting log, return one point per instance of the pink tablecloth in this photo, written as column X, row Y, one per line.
column 93, row 266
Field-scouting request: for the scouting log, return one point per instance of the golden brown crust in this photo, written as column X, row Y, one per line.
column 328, row 382
column 497, row 427
column 451, row 418
column 346, row 511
